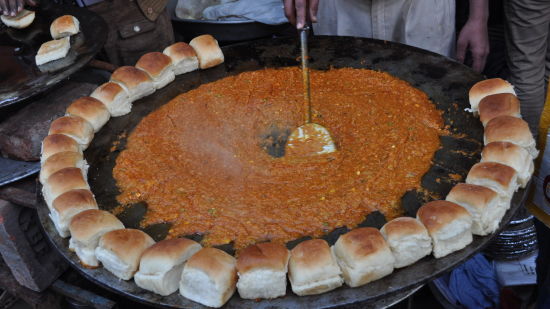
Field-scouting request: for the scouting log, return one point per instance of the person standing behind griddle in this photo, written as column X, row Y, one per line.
column 428, row 24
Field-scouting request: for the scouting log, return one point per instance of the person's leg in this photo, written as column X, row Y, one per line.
column 527, row 27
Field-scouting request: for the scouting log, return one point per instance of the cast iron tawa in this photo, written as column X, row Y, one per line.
column 446, row 82
column 20, row 78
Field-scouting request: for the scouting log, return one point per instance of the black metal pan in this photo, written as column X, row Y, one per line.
column 445, row 81
column 20, row 78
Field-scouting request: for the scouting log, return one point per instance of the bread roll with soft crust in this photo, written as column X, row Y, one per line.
column 74, row 127
column 483, row 204
column 64, row 26
column 208, row 51
column 114, row 97
column 449, row 226
column 499, row 177
column 86, row 228
column 161, row 265
column 52, row 50
column 184, row 58
column 495, row 105
column 90, row 109
column 135, row 81
column 22, row 20
column 120, row 251
column 488, row 87
column 513, row 130
column 363, row 256
column 57, row 143
column 69, row 204
column 408, row 240
column 262, row 271
column 312, row 268
column 209, row 277
column 60, row 161
column 512, row 155
column 62, row 181
column 159, row 68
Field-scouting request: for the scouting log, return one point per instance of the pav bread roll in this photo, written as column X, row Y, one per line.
column 64, row 26
column 483, row 204
column 262, row 271
column 74, row 127
column 488, row 87
column 90, row 109
column 159, row 68
column 62, row 181
column 208, row 51
column 363, row 256
column 60, row 161
column 69, row 204
column 184, row 58
column 114, row 97
column 22, row 20
column 57, row 143
column 312, row 268
column 86, row 228
column 495, row 105
column 512, row 155
column 135, row 81
column 499, row 177
column 209, row 277
column 52, row 50
column 408, row 240
column 449, row 226
column 513, row 130
column 120, row 251
column 161, row 265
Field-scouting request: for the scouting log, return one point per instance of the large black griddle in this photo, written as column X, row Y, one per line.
column 20, row 78
column 445, row 81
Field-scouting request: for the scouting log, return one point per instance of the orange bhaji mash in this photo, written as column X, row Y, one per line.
column 200, row 160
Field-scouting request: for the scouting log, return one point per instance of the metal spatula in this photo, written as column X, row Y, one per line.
column 311, row 138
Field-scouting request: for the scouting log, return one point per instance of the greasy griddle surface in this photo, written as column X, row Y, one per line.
column 446, row 83
column 20, row 78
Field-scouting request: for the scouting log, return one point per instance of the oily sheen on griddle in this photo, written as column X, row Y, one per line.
column 205, row 161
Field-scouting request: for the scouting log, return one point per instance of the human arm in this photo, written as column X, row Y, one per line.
column 473, row 36
column 299, row 12
column 12, row 7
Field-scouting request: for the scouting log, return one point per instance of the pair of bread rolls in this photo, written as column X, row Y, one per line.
column 61, row 29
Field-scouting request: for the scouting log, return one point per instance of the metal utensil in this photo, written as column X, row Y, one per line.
column 310, row 138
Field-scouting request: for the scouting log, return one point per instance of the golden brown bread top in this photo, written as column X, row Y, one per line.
column 127, row 244
column 63, row 23
column 107, row 92
column 311, row 254
column 153, row 63
column 208, row 51
column 58, row 143
column 73, row 125
column 59, row 161
column 87, row 108
column 500, row 147
column 179, row 51
column 503, row 174
column 215, row 262
column 263, row 255
column 87, row 223
column 490, row 86
column 77, row 198
column 477, row 196
column 169, row 248
column 502, row 104
column 504, row 128
column 403, row 226
column 436, row 215
column 67, row 179
column 362, row 241
column 130, row 76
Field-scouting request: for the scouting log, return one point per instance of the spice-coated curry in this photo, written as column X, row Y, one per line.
column 209, row 161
